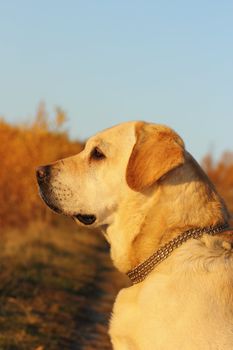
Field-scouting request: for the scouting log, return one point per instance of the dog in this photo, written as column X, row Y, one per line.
column 167, row 228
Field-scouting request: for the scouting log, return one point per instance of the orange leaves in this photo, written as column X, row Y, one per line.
column 22, row 149
column 221, row 174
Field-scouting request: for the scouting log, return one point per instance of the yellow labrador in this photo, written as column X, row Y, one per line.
column 167, row 227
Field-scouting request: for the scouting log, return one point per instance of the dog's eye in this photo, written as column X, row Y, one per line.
column 97, row 154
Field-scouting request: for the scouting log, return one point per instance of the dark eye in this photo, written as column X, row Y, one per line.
column 97, row 154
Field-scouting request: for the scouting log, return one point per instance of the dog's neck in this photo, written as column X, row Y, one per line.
column 173, row 205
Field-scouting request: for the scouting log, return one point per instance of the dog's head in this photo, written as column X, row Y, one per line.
column 129, row 157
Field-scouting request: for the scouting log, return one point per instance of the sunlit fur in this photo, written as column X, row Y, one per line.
column 158, row 150
column 146, row 191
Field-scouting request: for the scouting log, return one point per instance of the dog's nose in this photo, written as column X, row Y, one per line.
column 43, row 172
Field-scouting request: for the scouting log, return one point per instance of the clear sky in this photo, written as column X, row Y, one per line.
column 108, row 61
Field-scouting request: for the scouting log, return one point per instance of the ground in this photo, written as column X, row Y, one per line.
column 57, row 287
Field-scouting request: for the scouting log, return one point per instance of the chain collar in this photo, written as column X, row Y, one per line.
column 140, row 272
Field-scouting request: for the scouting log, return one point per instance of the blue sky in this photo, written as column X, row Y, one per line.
column 105, row 62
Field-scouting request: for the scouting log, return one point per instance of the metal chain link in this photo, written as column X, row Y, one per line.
column 140, row 272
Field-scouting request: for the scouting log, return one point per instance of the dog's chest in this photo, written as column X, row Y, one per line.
column 141, row 316
column 166, row 315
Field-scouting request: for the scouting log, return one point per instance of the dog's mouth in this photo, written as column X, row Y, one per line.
column 49, row 202
column 46, row 194
column 83, row 218
column 86, row 219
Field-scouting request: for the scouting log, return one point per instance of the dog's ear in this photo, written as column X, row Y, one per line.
column 158, row 150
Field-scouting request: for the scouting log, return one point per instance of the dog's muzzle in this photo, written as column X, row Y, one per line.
column 43, row 174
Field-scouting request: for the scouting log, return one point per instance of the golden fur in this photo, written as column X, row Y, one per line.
column 158, row 149
column 145, row 191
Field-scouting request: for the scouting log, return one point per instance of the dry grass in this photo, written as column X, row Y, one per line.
column 221, row 174
column 57, row 285
column 22, row 149
column 57, row 289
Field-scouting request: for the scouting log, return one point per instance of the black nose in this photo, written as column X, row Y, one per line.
column 43, row 172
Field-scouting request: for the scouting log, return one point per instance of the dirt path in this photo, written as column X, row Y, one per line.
column 57, row 287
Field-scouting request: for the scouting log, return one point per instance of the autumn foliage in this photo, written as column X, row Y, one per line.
column 57, row 284
column 22, row 149
column 221, row 174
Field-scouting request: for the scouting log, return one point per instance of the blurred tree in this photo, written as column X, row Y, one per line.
column 221, row 174
column 41, row 119
column 60, row 117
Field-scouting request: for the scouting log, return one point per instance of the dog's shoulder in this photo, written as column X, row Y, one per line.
column 209, row 253
column 195, row 280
